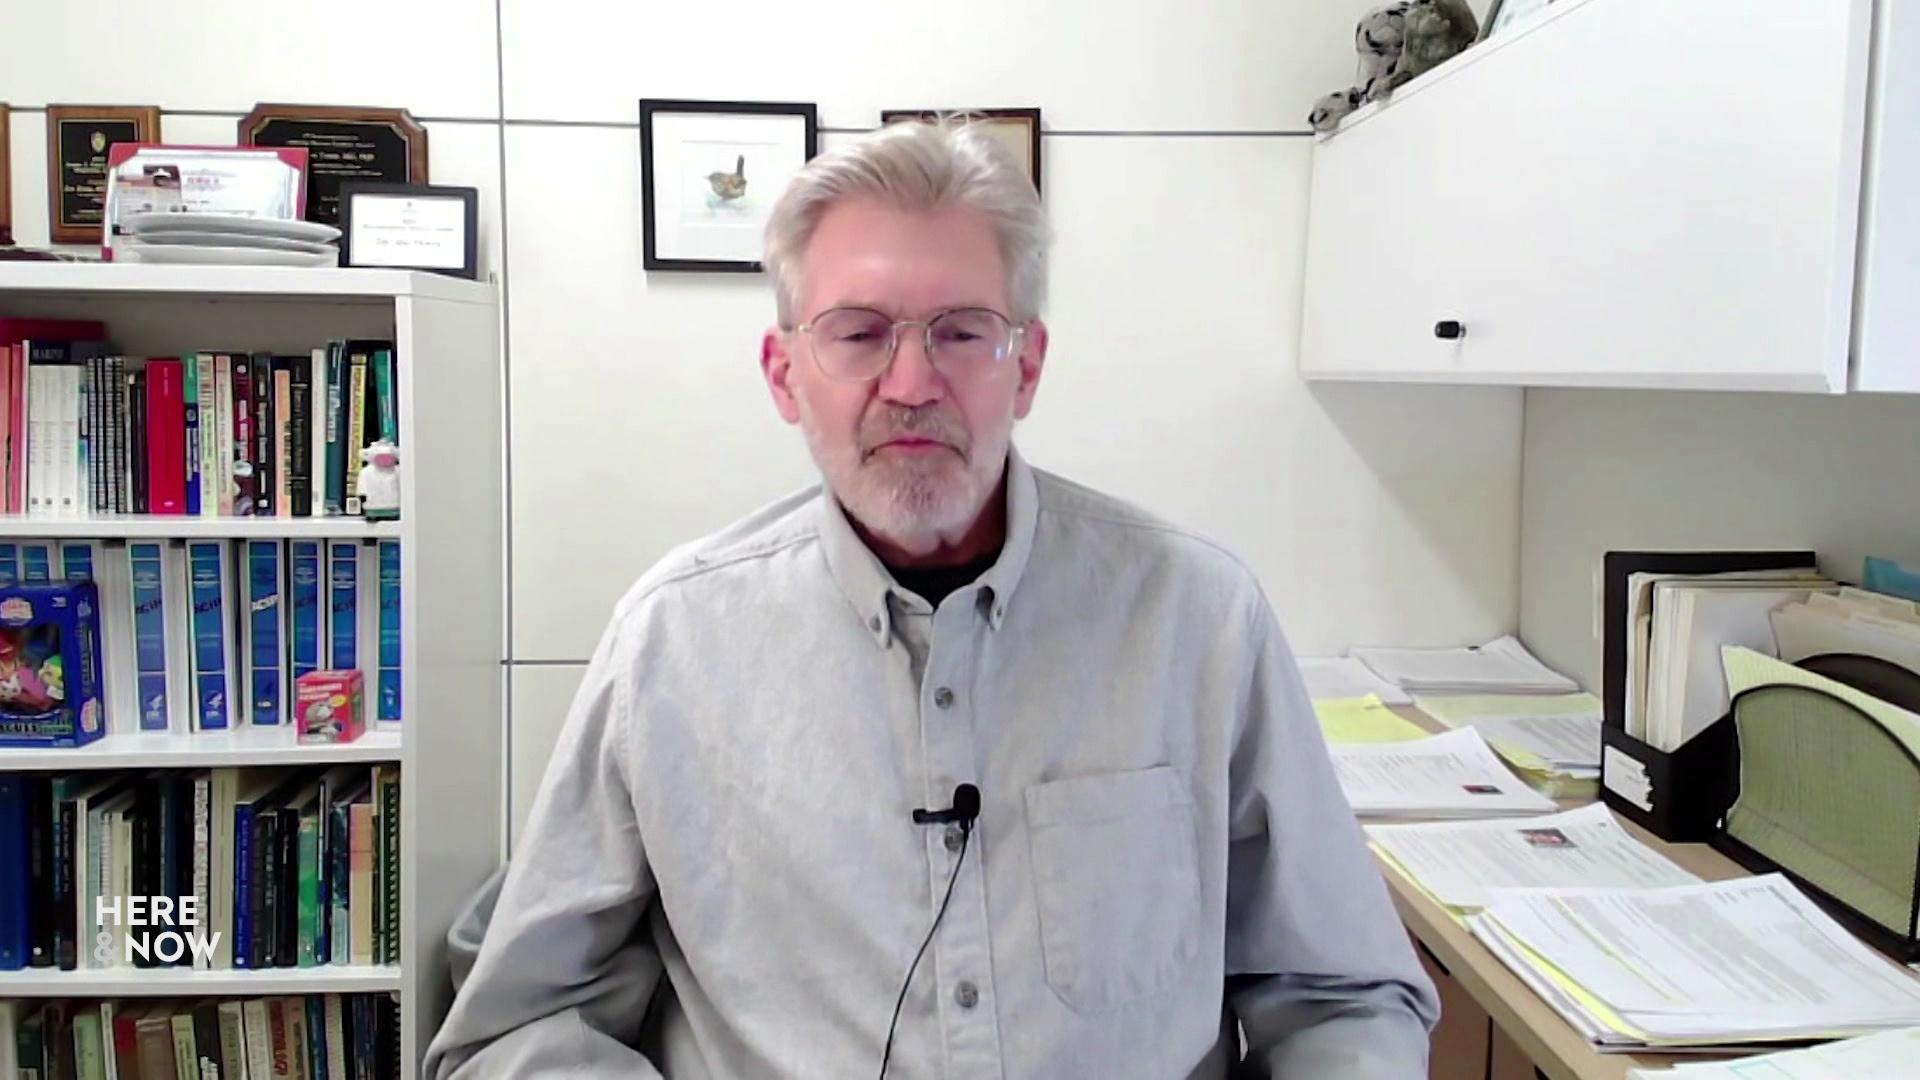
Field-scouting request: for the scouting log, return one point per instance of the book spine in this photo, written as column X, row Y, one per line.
column 233, row 1042
column 222, row 455
column 155, row 1034
column 166, row 437
column 390, row 865
column 205, row 468
column 206, row 560
column 72, row 450
column 283, row 438
column 120, row 483
column 40, row 871
column 206, row 1040
column 278, row 1020
column 16, row 936
column 336, row 459
column 316, row 443
column 264, row 614
column 386, row 395
column 66, row 954
column 387, row 696
column 298, row 1043
column 203, row 862
column 190, row 412
column 343, row 613
column 266, row 886
column 93, row 393
column 89, row 1046
column 245, row 486
column 300, row 439
column 360, row 903
column 264, row 466
column 340, row 884
column 336, row 1025
column 308, row 854
column 36, row 388
column 316, row 1037
column 245, row 876
column 356, row 420
column 286, row 948
column 259, row 1029
column 36, row 562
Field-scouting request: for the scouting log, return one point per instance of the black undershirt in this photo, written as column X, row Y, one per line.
column 935, row 583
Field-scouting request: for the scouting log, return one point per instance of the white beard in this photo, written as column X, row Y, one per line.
column 913, row 502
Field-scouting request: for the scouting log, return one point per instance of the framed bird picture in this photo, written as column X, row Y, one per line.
column 709, row 174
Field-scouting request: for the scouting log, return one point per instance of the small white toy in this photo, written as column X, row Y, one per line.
column 380, row 481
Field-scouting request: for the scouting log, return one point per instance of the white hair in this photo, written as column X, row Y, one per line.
column 921, row 167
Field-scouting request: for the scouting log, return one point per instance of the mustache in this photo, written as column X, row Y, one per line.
column 889, row 422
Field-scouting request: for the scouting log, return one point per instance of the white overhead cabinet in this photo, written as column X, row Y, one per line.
column 1634, row 193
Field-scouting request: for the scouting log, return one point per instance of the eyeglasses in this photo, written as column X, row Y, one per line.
column 858, row 344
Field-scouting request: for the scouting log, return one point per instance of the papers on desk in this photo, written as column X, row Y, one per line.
column 1364, row 720
column 1554, row 740
column 1459, row 863
column 1447, row 776
column 1722, row 964
column 1890, row 1055
column 1854, row 621
column 1501, row 666
column 1344, row 678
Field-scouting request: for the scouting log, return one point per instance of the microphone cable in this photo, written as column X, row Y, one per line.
column 966, row 837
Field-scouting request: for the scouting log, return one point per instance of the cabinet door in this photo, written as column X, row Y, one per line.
column 1887, row 338
column 1625, row 193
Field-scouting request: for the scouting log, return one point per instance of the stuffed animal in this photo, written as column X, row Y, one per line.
column 380, row 481
column 1396, row 43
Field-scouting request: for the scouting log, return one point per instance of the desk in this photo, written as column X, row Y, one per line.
column 1553, row 1045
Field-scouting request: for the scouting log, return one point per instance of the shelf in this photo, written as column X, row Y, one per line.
column 203, row 750
column 251, row 282
column 161, row 527
column 192, row 982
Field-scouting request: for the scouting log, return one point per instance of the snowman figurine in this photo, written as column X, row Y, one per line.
column 380, row 481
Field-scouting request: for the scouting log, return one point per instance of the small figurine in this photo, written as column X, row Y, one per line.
column 380, row 481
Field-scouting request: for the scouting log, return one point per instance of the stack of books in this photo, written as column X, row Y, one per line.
column 86, row 430
column 207, row 635
column 316, row 1036
column 278, row 868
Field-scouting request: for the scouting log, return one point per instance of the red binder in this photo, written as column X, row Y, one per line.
column 166, row 437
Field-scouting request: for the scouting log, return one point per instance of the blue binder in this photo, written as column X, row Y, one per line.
column 264, row 647
column 207, row 573
column 150, row 632
column 389, row 696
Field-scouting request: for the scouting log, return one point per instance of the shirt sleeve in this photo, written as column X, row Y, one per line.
column 562, row 980
column 1320, row 971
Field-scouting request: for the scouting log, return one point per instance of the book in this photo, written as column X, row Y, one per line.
column 266, row 651
column 190, row 411
column 206, row 465
column 9, row 563
column 259, row 1038
column 112, row 575
column 89, row 1045
column 386, row 786
column 39, row 871
column 154, row 1031
column 295, row 1011
column 15, row 867
column 386, row 385
column 387, row 696
column 316, row 444
column 233, row 1041
column 300, row 437
column 361, row 880
column 245, row 489
column 36, row 562
column 265, row 465
column 206, row 1040
column 138, row 472
column 283, row 442
column 336, row 1033
column 166, row 435
column 221, row 457
column 310, row 908
column 213, row 653
column 223, row 858
column 200, row 862
column 334, row 489
column 358, row 359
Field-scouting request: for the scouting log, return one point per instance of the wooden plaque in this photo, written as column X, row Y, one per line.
column 78, row 137
column 343, row 144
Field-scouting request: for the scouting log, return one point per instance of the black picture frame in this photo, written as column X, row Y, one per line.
column 650, row 109
column 1026, row 118
column 469, row 198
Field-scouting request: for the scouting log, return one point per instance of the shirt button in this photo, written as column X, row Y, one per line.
column 943, row 697
column 873, row 624
column 956, row 836
column 967, row 994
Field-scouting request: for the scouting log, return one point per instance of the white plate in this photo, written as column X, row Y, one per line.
column 158, row 221
column 223, row 256
column 213, row 239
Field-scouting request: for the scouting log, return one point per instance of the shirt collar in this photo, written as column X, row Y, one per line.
column 865, row 581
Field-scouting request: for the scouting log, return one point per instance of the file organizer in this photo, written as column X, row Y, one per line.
column 1688, row 789
column 1830, row 796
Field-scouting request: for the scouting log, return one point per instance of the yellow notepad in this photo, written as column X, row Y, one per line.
column 1364, row 720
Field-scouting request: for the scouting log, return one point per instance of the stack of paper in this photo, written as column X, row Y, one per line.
column 1554, row 740
column 1677, row 624
column 1364, row 720
column 1342, row 677
column 1447, row 776
column 1459, row 863
column 1890, row 1055
column 1501, row 666
column 1695, row 966
column 1854, row 621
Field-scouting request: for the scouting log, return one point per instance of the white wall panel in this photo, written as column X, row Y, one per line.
column 1610, row 470
column 539, row 698
column 639, row 420
column 433, row 57
column 1089, row 64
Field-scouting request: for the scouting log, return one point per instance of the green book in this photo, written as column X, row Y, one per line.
column 333, row 495
column 390, row 865
column 385, row 388
column 89, row 1045
column 310, row 913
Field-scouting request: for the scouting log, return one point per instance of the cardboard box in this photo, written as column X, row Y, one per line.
column 50, row 664
column 330, row 706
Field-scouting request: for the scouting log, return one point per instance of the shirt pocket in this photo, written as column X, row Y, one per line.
column 1116, row 879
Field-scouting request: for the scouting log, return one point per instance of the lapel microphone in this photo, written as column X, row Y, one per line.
column 964, row 811
column 965, row 808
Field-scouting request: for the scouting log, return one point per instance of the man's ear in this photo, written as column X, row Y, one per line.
column 1032, row 359
column 776, row 363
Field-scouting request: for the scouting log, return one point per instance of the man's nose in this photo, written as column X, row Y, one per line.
column 911, row 379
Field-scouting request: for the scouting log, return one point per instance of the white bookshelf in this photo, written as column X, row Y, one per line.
column 450, row 745
column 192, row 982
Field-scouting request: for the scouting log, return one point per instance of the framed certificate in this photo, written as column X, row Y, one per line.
column 410, row 227
column 344, row 144
column 78, row 138
column 6, row 178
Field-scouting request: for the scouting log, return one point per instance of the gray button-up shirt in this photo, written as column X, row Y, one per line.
column 720, row 876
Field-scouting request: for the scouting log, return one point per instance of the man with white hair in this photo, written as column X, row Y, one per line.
column 750, row 854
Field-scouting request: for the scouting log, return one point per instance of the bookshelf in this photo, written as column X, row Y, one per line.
column 450, row 745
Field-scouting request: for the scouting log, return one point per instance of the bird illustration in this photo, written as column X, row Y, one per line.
column 730, row 186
